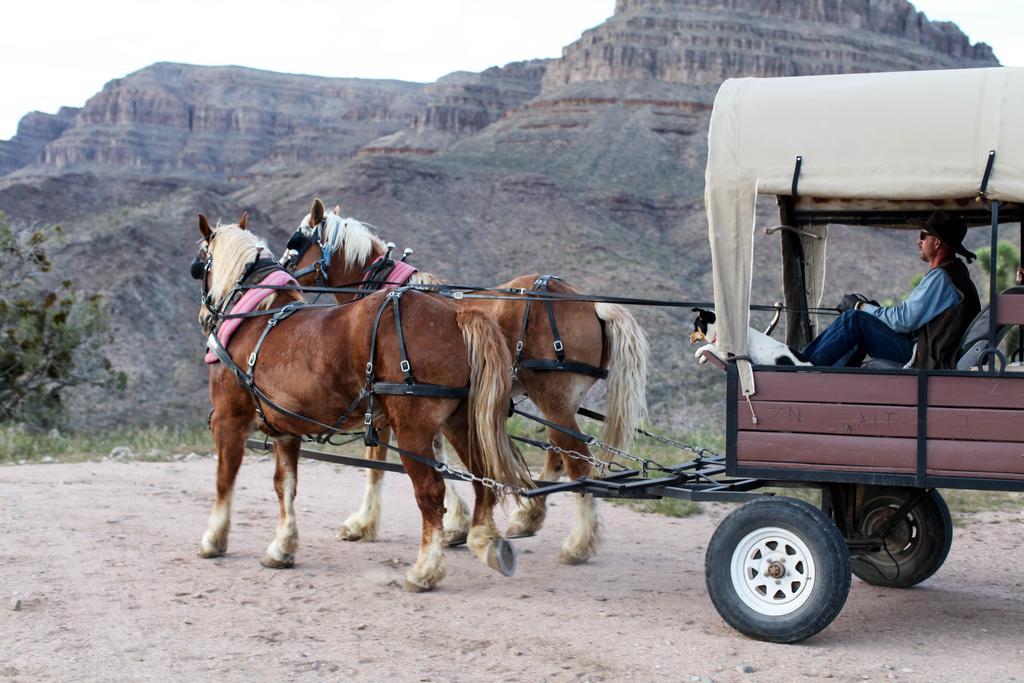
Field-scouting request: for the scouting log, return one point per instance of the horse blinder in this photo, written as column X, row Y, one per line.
column 198, row 268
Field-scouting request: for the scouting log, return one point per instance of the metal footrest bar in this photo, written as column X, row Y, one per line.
column 692, row 481
column 385, row 466
column 556, row 487
column 309, row 453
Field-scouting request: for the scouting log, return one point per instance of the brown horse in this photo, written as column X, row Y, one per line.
column 599, row 335
column 312, row 364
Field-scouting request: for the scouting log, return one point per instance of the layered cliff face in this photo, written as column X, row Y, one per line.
column 707, row 41
column 462, row 104
column 35, row 131
column 222, row 121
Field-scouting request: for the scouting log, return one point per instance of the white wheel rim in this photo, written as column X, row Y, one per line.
column 773, row 571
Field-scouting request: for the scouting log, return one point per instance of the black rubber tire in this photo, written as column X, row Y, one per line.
column 917, row 546
column 826, row 547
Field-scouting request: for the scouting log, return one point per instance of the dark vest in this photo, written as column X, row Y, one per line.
column 939, row 340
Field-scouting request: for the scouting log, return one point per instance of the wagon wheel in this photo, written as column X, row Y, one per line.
column 915, row 546
column 777, row 569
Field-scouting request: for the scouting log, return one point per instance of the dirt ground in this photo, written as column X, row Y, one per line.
column 99, row 581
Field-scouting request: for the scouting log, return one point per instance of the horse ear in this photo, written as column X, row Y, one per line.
column 204, row 227
column 316, row 214
column 243, row 220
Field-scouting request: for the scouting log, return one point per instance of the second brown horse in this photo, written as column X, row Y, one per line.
column 599, row 335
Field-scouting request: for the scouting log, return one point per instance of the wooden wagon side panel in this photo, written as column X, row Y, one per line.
column 983, row 435
column 866, row 423
column 851, row 422
column 829, row 451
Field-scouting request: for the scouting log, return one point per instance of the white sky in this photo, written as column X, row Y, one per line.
column 61, row 52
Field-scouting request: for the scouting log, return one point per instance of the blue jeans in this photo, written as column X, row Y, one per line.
column 854, row 335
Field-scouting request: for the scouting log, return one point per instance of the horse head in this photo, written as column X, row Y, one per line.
column 223, row 257
column 330, row 249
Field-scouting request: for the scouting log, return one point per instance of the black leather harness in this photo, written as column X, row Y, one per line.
column 376, row 275
column 257, row 271
column 541, row 285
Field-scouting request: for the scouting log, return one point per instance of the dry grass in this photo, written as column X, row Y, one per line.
column 19, row 445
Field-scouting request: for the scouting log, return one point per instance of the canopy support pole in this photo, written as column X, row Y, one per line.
column 796, row 177
column 794, row 278
column 993, row 289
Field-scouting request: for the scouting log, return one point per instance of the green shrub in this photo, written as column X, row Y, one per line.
column 50, row 338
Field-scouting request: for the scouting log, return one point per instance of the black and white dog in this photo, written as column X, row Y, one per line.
column 762, row 349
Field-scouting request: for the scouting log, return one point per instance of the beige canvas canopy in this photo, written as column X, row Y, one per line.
column 866, row 140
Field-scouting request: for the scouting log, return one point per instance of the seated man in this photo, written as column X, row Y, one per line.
column 934, row 316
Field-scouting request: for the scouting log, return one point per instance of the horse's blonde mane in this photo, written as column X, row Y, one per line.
column 348, row 236
column 232, row 249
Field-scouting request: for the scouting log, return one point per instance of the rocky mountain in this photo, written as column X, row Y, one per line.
column 176, row 119
column 704, row 42
column 35, row 131
column 589, row 166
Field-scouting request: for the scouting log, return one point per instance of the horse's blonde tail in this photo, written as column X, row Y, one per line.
column 490, row 389
column 628, row 351
column 421, row 278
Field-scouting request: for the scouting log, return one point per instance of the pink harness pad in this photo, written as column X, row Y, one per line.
column 400, row 274
column 249, row 301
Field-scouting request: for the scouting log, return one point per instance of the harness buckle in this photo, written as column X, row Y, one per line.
column 559, row 346
column 252, row 359
column 519, row 346
column 368, row 419
column 369, row 369
column 405, row 366
column 458, row 294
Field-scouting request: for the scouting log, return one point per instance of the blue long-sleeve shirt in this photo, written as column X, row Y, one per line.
column 933, row 295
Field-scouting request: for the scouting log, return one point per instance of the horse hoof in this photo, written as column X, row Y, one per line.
column 271, row 562
column 566, row 558
column 210, row 554
column 502, row 557
column 347, row 534
column 454, row 538
column 516, row 531
column 411, row 587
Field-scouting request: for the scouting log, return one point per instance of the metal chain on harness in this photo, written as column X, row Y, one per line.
column 494, row 485
column 696, row 450
column 601, row 465
column 646, row 464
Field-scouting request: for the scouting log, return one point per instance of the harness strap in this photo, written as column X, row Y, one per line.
column 251, row 369
column 369, row 433
column 376, row 274
column 567, row 365
column 579, row 436
column 421, row 389
column 259, row 395
column 405, row 365
column 541, row 285
column 559, row 346
column 274, row 311
column 522, row 332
